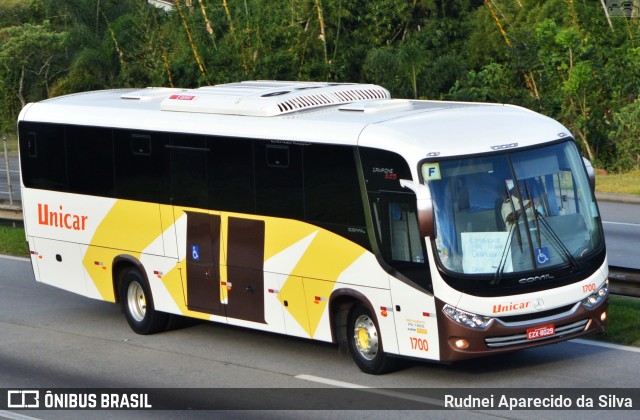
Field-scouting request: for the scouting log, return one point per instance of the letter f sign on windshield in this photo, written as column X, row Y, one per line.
column 431, row 171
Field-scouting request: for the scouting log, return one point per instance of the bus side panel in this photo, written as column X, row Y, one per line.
column 166, row 285
column 34, row 257
column 60, row 264
column 98, row 266
column 169, row 239
column 129, row 225
column 62, row 216
column 416, row 321
column 366, row 277
column 128, row 228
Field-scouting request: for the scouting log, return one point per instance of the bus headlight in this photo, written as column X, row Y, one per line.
column 467, row 318
column 595, row 298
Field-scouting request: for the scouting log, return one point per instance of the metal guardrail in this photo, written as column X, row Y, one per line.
column 8, row 171
column 10, row 209
column 11, row 212
column 624, row 281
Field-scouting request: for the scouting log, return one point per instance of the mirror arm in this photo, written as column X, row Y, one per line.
column 424, row 206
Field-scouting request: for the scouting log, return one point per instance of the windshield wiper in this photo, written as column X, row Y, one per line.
column 557, row 241
column 503, row 259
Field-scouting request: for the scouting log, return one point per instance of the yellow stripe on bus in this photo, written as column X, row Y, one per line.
column 135, row 224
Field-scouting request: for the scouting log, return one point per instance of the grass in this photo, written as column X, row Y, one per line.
column 628, row 183
column 624, row 321
column 13, row 242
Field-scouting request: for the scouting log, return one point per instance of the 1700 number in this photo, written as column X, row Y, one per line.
column 419, row 344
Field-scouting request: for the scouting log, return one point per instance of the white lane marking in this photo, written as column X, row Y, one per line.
column 386, row 392
column 11, row 257
column 15, row 416
column 607, row 345
column 331, row 382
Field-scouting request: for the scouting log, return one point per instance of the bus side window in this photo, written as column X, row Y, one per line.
column 42, row 156
column 278, row 177
column 90, row 163
column 230, row 176
column 393, row 210
column 405, row 237
column 332, row 193
column 188, row 170
column 141, row 166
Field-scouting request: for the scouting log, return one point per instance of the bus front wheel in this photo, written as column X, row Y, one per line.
column 364, row 342
column 137, row 303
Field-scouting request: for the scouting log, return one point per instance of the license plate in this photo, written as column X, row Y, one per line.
column 539, row 332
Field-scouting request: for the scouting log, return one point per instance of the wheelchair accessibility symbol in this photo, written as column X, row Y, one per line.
column 195, row 252
column 543, row 256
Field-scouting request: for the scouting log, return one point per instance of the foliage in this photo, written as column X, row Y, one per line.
column 625, row 136
column 559, row 57
column 27, row 63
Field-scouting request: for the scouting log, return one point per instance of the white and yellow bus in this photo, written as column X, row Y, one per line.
column 399, row 228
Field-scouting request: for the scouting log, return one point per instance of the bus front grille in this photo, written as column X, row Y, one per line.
column 513, row 340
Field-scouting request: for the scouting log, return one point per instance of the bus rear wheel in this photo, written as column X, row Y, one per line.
column 137, row 303
column 365, row 343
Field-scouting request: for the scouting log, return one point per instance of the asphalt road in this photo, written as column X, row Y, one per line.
column 621, row 223
column 55, row 339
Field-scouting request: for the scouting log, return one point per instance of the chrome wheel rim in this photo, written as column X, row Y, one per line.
column 136, row 301
column 365, row 337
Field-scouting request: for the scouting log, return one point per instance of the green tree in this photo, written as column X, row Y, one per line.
column 625, row 136
column 27, row 64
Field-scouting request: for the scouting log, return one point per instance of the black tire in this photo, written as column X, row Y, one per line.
column 365, row 344
column 137, row 303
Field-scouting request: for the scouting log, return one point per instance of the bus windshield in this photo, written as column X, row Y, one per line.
column 513, row 212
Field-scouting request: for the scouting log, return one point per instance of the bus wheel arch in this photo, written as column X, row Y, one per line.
column 136, row 300
column 120, row 263
column 356, row 330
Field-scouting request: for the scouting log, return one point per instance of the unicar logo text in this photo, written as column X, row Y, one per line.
column 510, row 307
column 60, row 218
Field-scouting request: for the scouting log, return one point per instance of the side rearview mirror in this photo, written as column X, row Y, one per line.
column 590, row 173
column 424, row 206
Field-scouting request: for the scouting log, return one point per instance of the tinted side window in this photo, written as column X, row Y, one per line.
column 142, row 166
column 188, row 170
column 278, row 182
column 90, row 161
column 42, row 156
column 230, row 175
column 383, row 170
column 332, row 194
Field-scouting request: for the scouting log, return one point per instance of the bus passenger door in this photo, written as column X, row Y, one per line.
column 403, row 249
column 199, row 238
column 203, row 263
column 245, row 265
